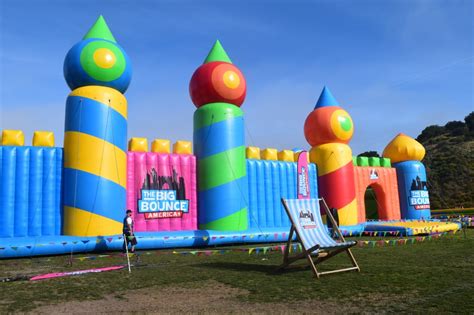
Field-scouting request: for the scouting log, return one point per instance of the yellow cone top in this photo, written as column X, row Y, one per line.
column 404, row 148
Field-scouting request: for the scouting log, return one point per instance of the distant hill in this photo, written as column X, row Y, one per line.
column 449, row 163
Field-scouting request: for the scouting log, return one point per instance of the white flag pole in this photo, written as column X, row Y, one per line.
column 126, row 250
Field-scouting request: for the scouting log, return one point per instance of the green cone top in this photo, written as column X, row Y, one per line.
column 100, row 30
column 217, row 53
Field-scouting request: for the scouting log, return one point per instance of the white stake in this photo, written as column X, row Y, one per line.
column 126, row 250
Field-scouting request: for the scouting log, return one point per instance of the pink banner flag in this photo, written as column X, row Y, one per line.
column 303, row 180
column 74, row 273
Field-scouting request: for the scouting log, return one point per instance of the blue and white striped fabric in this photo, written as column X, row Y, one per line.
column 306, row 217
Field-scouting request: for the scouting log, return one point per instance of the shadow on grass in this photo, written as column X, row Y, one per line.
column 266, row 269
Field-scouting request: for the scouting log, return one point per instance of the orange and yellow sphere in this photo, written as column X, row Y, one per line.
column 328, row 124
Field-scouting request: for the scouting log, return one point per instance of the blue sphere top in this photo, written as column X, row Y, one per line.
column 97, row 61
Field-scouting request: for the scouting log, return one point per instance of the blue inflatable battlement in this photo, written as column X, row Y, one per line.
column 268, row 182
column 30, row 190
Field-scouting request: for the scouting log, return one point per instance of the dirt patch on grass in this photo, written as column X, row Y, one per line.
column 211, row 298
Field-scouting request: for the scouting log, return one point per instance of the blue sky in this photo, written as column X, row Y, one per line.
column 395, row 66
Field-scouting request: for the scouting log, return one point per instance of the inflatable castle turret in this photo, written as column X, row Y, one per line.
column 406, row 154
column 98, row 72
column 328, row 129
column 218, row 89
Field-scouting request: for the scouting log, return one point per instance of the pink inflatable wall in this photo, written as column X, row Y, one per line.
column 147, row 170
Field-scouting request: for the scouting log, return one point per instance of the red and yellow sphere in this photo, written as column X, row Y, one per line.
column 328, row 124
column 217, row 81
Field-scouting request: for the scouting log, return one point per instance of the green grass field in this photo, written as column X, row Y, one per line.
column 453, row 212
column 432, row 276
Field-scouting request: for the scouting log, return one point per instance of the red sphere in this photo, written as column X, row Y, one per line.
column 317, row 128
column 215, row 82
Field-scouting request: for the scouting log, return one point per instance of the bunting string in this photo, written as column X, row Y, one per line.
column 257, row 250
column 430, row 233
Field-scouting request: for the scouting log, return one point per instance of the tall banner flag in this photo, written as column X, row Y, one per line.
column 303, row 176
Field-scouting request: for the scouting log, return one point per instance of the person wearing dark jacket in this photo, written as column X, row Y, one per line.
column 128, row 232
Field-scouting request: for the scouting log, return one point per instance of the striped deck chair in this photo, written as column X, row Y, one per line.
column 313, row 235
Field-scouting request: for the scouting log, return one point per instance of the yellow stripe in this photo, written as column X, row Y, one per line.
column 348, row 214
column 78, row 222
column 104, row 95
column 330, row 156
column 420, row 227
column 96, row 156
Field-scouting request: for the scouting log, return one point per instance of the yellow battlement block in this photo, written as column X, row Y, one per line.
column 252, row 153
column 270, row 154
column 138, row 145
column 297, row 154
column 13, row 137
column 43, row 139
column 286, row 156
column 183, row 147
column 161, row 146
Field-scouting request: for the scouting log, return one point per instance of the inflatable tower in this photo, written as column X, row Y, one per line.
column 328, row 129
column 98, row 72
column 406, row 154
column 218, row 89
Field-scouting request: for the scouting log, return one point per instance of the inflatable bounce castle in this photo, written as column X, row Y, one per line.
column 214, row 191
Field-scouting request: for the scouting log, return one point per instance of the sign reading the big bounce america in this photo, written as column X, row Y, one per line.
column 158, row 204
column 161, row 191
column 163, row 197
column 419, row 197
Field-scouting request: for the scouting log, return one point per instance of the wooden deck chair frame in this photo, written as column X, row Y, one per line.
column 322, row 254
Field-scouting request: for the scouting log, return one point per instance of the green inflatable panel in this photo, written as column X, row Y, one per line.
column 385, row 162
column 374, row 161
column 362, row 161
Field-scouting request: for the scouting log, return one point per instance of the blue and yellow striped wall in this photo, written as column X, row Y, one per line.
column 95, row 144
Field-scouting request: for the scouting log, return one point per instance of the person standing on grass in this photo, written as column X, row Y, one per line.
column 128, row 232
